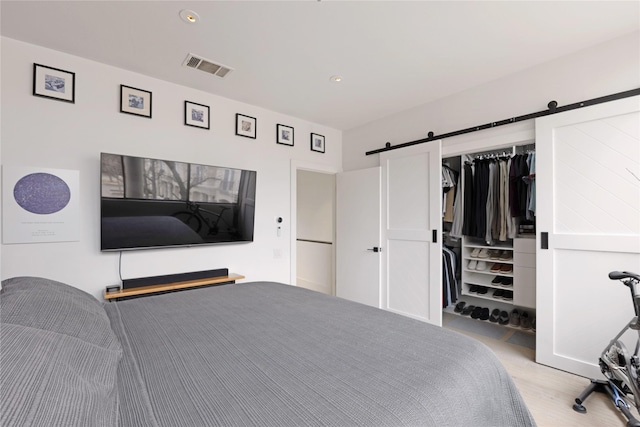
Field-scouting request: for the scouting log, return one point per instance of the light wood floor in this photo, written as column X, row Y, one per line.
column 549, row 393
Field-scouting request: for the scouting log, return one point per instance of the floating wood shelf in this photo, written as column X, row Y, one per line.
column 142, row 290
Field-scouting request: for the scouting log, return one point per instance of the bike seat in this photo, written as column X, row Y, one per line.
column 619, row 275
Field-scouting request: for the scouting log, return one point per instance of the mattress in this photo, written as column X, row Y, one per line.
column 269, row 354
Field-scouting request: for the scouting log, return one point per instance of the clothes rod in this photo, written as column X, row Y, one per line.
column 552, row 109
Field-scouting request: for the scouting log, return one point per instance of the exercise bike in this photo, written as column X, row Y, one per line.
column 619, row 367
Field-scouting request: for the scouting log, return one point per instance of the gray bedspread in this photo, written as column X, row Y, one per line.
column 268, row 354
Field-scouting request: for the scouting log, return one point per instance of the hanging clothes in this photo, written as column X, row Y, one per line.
column 491, row 202
column 449, row 189
column 530, row 180
column 450, row 284
column 482, row 191
column 458, row 214
column 469, row 200
column 518, row 188
column 498, row 192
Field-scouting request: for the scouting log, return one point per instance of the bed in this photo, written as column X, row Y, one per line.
column 249, row 354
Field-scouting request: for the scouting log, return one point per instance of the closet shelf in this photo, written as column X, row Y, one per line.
column 487, row 297
column 451, row 310
column 489, row 260
column 502, row 246
column 485, row 281
column 489, row 273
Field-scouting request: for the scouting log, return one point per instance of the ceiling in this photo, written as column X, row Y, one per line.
column 392, row 55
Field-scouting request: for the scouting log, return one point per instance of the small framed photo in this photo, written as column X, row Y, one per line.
column 135, row 101
column 54, row 83
column 317, row 142
column 285, row 135
column 246, row 126
column 196, row 115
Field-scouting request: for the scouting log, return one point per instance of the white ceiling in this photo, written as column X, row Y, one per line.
column 392, row 55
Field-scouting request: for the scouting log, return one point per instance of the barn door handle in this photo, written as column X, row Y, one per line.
column 544, row 240
column 434, row 236
column 375, row 249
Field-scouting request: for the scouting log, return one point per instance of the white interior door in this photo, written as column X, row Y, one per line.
column 412, row 221
column 358, row 212
column 588, row 201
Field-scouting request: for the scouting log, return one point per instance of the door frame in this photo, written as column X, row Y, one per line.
column 295, row 166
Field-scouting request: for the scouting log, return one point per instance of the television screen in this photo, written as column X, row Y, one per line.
column 151, row 203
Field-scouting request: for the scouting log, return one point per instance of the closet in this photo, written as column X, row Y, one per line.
column 586, row 225
column 489, row 230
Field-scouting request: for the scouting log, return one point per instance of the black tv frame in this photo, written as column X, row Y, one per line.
column 148, row 203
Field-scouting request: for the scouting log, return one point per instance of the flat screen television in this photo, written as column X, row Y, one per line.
column 150, row 203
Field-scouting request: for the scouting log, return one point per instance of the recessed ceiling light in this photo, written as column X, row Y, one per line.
column 189, row 16
column 336, row 79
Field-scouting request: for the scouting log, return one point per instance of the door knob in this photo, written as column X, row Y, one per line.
column 375, row 249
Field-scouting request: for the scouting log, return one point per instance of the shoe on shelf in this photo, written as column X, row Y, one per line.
column 496, row 267
column 514, row 320
column 468, row 309
column 507, row 295
column 473, row 289
column 495, row 315
column 476, row 312
column 472, row 264
column 504, row 318
column 506, row 269
column 494, row 255
column 484, row 253
column 482, row 266
column 525, row 320
column 475, row 252
column 498, row 293
column 482, row 290
column 459, row 307
column 484, row 314
column 498, row 280
column 507, row 281
column 506, row 256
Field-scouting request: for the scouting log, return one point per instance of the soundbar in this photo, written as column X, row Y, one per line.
column 172, row 278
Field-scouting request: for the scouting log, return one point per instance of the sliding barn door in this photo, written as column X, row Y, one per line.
column 411, row 226
column 588, row 220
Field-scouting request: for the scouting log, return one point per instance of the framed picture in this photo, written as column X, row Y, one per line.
column 196, row 115
column 246, row 126
column 317, row 142
column 54, row 83
column 285, row 135
column 135, row 101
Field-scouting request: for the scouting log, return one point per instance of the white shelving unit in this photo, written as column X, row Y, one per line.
column 522, row 262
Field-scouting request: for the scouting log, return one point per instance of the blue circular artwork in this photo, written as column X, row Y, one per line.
column 41, row 193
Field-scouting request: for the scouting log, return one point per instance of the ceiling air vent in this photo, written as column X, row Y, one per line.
column 207, row 66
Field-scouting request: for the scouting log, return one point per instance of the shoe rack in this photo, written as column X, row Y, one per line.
column 498, row 276
column 489, row 268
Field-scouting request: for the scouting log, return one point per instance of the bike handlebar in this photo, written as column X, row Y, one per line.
column 619, row 275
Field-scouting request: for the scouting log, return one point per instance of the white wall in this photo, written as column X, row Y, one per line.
column 45, row 133
column 601, row 70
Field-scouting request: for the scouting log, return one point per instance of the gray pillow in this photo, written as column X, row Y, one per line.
column 46, row 304
column 49, row 379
